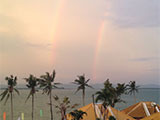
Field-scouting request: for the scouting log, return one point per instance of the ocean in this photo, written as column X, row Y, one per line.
column 41, row 100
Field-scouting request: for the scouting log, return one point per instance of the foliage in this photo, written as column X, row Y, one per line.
column 63, row 106
column 132, row 89
column 112, row 118
column 32, row 83
column 47, row 82
column 12, row 82
column 8, row 92
column 82, row 84
column 111, row 95
column 77, row 114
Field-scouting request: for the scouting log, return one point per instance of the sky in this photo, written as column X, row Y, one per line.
column 102, row 39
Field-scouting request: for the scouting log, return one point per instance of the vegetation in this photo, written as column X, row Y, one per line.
column 8, row 92
column 77, row 114
column 132, row 89
column 82, row 84
column 110, row 95
column 32, row 83
column 63, row 106
column 47, row 82
column 112, row 118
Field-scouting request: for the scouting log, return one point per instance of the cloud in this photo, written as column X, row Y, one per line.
column 134, row 13
column 13, row 43
column 144, row 59
column 38, row 45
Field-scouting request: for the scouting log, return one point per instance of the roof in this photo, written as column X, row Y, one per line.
column 92, row 113
column 141, row 110
column 155, row 116
column 121, row 115
column 89, row 109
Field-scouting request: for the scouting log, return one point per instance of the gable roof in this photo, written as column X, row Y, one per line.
column 93, row 112
column 141, row 110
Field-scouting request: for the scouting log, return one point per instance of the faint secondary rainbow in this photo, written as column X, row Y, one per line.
column 97, row 50
column 56, row 22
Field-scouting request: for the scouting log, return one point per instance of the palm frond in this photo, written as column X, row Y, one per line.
column 16, row 91
column 28, row 96
column 89, row 86
column 4, row 93
column 79, row 88
column 6, row 99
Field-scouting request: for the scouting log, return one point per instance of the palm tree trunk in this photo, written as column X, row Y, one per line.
column 51, row 111
column 32, row 106
column 107, row 113
column 11, row 106
column 83, row 95
column 104, row 116
column 62, row 115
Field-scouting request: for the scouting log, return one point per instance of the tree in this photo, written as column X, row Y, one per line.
column 109, row 96
column 132, row 89
column 63, row 106
column 116, row 92
column 47, row 82
column 32, row 83
column 77, row 114
column 112, row 118
column 104, row 96
column 82, row 84
column 8, row 92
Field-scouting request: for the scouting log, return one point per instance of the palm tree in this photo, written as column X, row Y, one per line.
column 116, row 94
column 63, row 106
column 82, row 84
column 8, row 92
column 104, row 96
column 133, row 89
column 32, row 83
column 77, row 114
column 110, row 95
column 47, row 83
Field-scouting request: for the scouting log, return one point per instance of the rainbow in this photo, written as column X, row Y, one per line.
column 56, row 21
column 97, row 49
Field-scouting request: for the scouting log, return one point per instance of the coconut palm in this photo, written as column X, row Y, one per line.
column 77, row 114
column 47, row 82
column 110, row 95
column 133, row 89
column 8, row 92
column 32, row 83
column 116, row 94
column 82, row 84
column 63, row 106
column 104, row 96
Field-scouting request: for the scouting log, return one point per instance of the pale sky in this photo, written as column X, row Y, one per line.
column 116, row 39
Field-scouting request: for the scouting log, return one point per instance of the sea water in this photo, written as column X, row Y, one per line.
column 41, row 102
